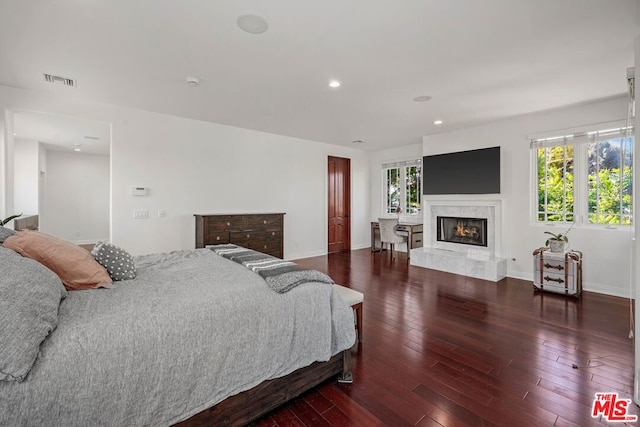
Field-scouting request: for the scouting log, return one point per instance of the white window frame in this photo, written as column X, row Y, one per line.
column 580, row 140
column 402, row 165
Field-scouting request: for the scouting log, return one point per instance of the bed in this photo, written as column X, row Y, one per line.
column 193, row 337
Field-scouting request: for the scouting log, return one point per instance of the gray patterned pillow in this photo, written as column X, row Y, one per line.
column 118, row 262
column 30, row 296
column 5, row 232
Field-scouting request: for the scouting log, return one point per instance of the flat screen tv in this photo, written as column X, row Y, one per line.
column 463, row 172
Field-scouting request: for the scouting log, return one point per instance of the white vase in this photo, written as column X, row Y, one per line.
column 556, row 245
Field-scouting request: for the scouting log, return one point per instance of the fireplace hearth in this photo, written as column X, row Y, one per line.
column 465, row 231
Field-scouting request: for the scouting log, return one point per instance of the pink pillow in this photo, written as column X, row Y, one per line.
column 74, row 265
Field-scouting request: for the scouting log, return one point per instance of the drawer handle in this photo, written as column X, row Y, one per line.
column 248, row 236
column 265, row 221
column 273, row 233
column 228, row 224
column 557, row 267
column 265, row 246
column 217, row 237
column 551, row 279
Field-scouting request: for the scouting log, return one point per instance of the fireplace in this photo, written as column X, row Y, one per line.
column 466, row 231
column 475, row 252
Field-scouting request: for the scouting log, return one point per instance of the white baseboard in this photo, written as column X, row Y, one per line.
column 586, row 286
column 604, row 289
column 302, row 255
column 522, row 275
column 360, row 246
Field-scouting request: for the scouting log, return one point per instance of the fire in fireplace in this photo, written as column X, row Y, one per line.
column 466, row 231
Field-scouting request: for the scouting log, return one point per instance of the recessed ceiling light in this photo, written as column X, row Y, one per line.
column 437, row 122
column 252, row 24
column 77, row 148
column 334, row 84
column 422, row 98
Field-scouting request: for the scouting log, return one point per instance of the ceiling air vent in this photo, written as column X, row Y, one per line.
column 60, row 80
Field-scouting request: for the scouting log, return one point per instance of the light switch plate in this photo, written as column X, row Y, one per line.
column 140, row 214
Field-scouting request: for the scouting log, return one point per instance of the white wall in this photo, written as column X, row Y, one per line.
column 606, row 264
column 77, row 196
column 42, row 185
column 192, row 167
column 25, row 184
column 6, row 172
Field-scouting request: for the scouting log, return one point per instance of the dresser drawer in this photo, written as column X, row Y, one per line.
column 555, row 266
column 264, row 222
column 248, row 239
column 217, row 238
column 267, row 248
column 556, row 280
column 225, row 222
column 416, row 240
column 273, row 236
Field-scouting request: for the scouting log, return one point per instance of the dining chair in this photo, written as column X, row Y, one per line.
column 388, row 233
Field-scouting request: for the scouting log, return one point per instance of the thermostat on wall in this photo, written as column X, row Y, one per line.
column 138, row 191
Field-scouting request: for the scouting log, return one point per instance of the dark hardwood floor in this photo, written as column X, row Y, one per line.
column 442, row 349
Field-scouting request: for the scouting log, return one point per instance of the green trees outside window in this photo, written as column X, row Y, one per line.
column 555, row 183
column 608, row 176
column 403, row 189
column 413, row 185
column 393, row 189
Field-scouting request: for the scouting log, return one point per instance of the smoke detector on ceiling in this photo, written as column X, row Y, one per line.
column 193, row 81
column 65, row 81
column 252, row 24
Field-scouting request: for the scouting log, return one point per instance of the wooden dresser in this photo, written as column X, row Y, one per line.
column 260, row 232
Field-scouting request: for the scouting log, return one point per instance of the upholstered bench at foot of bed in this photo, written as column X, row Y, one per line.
column 355, row 300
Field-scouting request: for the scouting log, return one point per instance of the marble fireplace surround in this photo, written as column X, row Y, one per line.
column 489, row 209
column 473, row 261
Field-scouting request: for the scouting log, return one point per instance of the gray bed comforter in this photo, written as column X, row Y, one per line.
column 192, row 329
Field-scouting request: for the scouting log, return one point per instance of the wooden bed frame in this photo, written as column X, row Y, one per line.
column 250, row 405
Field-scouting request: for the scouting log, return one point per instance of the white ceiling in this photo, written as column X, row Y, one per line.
column 479, row 60
column 60, row 133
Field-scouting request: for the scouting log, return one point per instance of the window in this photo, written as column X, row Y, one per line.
column 585, row 177
column 555, row 183
column 403, row 187
column 610, row 177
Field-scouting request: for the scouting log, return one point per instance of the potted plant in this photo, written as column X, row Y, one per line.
column 557, row 241
column 8, row 219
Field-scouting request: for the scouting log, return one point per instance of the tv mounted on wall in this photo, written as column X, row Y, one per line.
column 463, row 172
